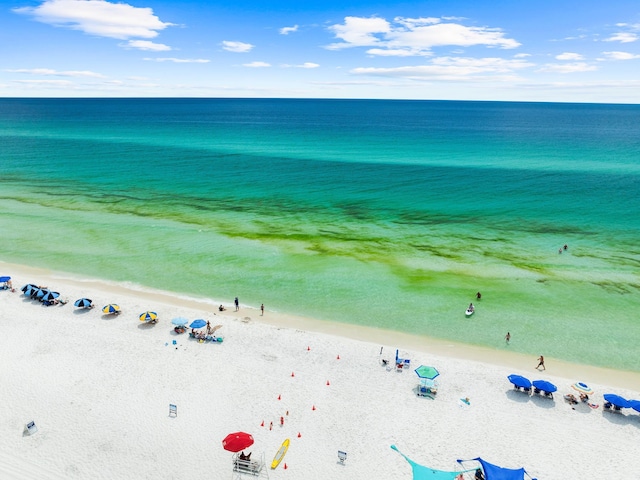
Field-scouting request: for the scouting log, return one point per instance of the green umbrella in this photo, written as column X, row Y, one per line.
column 424, row 371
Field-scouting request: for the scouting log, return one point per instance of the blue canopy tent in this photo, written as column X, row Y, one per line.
column 494, row 472
column 420, row 472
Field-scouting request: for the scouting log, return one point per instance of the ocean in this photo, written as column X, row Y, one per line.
column 391, row 214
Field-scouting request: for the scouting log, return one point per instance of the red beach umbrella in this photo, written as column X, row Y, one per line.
column 235, row 442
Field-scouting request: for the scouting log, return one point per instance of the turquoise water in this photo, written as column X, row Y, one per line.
column 383, row 213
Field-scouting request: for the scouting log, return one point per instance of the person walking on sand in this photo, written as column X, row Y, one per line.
column 507, row 337
column 540, row 363
column 237, row 304
column 262, row 309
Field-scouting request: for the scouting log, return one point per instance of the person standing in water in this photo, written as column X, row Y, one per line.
column 237, row 304
column 507, row 337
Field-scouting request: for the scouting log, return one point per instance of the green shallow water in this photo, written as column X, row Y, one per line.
column 391, row 215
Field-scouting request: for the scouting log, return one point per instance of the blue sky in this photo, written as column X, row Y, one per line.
column 543, row 50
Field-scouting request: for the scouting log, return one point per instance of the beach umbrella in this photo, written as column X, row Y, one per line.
column 424, row 371
column 83, row 303
column 582, row 388
column 41, row 292
column 4, row 279
column 180, row 321
column 616, row 400
column 235, row 442
column 148, row 317
column 111, row 308
column 544, row 386
column 29, row 286
column 635, row 404
column 198, row 323
column 30, row 290
column 50, row 296
column 519, row 381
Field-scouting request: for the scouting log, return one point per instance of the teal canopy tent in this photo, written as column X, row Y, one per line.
column 420, row 472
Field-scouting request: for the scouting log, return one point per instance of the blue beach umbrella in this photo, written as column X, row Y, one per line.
column 180, row 321
column 83, row 303
column 198, row 323
column 544, row 386
column 4, row 279
column 50, row 296
column 29, row 286
column 41, row 292
column 424, row 371
column 616, row 400
column 635, row 404
column 519, row 381
column 30, row 290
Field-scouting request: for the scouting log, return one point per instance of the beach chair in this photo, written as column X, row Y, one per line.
column 173, row 410
column 342, row 456
column 406, row 363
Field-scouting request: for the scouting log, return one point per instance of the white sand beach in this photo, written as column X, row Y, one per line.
column 98, row 388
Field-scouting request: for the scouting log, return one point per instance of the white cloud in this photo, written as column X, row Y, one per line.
column 49, row 71
column 46, row 83
column 413, row 36
column 237, row 47
column 98, row 17
column 304, row 65
column 256, row 64
column 397, row 52
column 452, row 68
column 522, row 55
column 288, row 30
column 359, row 32
column 568, row 67
column 569, row 56
column 146, row 45
column 178, row 60
column 620, row 56
column 622, row 37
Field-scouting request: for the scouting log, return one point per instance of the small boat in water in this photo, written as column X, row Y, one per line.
column 470, row 310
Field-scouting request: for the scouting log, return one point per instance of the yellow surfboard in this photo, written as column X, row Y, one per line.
column 280, row 454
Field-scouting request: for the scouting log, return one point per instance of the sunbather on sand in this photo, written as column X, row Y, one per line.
column 571, row 399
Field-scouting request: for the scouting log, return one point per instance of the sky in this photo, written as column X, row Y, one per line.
column 510, row 50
